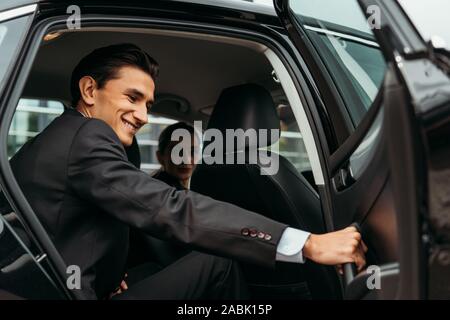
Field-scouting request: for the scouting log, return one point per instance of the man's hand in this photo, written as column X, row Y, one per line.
column 123, row 287
column 337, row 247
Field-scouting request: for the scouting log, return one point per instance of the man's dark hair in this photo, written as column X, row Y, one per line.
column 102, row 65
column 166, row 135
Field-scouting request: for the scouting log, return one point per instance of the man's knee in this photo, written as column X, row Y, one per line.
column 215, row 262
column 219, row 269
column 224, row 275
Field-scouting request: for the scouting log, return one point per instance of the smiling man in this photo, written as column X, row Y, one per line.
column 128, row 98
column 77, row 178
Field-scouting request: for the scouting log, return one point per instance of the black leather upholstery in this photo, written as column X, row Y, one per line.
column 285, row 196
column 259, row 112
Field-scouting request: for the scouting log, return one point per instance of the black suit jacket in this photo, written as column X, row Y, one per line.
column 86, row 193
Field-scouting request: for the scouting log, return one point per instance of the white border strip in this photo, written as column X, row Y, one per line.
column 343, row 36
column 17, row 12
column 299, row 113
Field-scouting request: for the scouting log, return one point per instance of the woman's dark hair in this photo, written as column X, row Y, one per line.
column 166, row 134
column 102, row 65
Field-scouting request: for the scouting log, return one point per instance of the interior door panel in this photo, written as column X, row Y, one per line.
column 387, row 194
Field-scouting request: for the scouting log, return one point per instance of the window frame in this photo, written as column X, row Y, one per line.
column 315, row 47
column 36, row 260
column 10, row 15
column 348, row 136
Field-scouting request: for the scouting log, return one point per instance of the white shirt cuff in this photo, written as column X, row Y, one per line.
column 290, row 247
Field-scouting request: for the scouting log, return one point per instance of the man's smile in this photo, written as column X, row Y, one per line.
column 130, row 126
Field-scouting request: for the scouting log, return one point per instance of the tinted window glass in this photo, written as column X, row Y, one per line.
column 34, row 115
column 347, row 47
column 31, row 117
column 291, row 145
column 11, row 32
column 147, row 138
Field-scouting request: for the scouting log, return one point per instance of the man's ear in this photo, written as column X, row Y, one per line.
column 87, row 87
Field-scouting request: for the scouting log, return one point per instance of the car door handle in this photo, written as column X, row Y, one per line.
column 343, row 179
column 350, row 269
column 349, row 273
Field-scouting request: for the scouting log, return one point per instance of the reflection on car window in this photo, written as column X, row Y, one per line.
column 348, row 49
column 147, row 138
column 360, row 159
column 11, row 32
column 31, row 117
column 291, row 145
column 34, row 115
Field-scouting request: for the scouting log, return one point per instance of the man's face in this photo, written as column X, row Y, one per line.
column 182, row 171
column 123, row 102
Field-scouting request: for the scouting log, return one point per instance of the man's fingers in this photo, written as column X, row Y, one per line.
column 351, row 229
column 355, row 252
column 359, row 247
column 364, row 246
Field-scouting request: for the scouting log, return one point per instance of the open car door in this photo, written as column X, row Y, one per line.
column 389, row 168
column 30, row 266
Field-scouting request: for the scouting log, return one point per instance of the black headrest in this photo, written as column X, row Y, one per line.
column 247, row 106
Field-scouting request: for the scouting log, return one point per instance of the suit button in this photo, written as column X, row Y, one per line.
column 253, row 233
column 261, row 235
column 267, row 237
column 245, row 232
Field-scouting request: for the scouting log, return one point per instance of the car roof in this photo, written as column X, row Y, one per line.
column 241, row 5
column 238, row 5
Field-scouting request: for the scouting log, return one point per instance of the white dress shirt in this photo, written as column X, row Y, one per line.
column 290, row 247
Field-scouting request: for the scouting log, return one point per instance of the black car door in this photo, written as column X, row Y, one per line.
column 389, row 96
column 24, row 272
column 30, row 267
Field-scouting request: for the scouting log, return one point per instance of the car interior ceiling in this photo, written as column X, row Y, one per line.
column 194, row 69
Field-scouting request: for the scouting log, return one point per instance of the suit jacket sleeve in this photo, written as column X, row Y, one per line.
column 98, row 171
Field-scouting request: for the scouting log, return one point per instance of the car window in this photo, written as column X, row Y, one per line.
column 11, row 32
column 34, row 115
column 23, row 268
column 347, row 47
column 291, row 145
column 147, row 138
column 31, row 117
column 361, row 157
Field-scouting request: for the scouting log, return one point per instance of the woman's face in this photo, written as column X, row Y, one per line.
column 184, row 170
